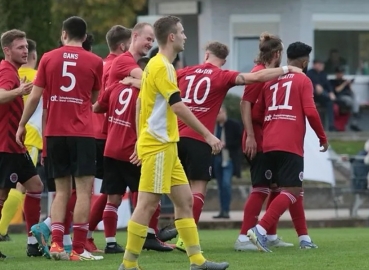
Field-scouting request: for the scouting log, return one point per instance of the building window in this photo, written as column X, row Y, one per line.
column 349, row 49
column 246, row 52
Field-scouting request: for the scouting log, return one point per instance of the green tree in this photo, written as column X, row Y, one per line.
column 100, row 15
column 32, row 17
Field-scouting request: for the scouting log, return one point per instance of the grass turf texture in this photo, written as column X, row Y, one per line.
column 346, row 147
column 338, row 249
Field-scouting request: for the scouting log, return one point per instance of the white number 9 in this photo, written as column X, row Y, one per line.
column 124, row 98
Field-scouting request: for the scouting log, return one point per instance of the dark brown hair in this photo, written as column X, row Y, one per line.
column 31, row 45
column 8, row 37
column 165, row 26
column 116, row 35
column 268, row 46
column 220, row 50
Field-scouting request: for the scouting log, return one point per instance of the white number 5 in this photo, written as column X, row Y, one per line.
column 284, row 106
column 65, row 73
column 124, row 99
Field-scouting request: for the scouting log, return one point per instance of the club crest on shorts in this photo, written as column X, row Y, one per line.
column 210, row 169
column 268, row 174
column 13, row 177
column 301, row 176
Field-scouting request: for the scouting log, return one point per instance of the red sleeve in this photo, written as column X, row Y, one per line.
column 229, row 78
column 98, row 76
column 126, row 65
column 40, row 80
column 103, row 99
column 8, row 79
column 310, row 110
column 251, row 92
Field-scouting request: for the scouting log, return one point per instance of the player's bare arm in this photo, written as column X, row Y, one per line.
column 265, row 75
column 22, row 90
column 43, row 126
column 132, row 82
column 97, row 108
column 250, row 149
column 185, row 114
column 29, row 108
column 136, row 73
column 134, row 157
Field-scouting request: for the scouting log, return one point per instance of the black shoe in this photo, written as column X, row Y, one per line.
column 113, row 248
column 4, row 238
column 167, row 233
column 153, row 243
column 222, row 215
column 2, row 256
column 33, row 250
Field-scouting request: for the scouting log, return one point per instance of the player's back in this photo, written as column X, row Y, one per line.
column 203, row 88
column 72, row 74
column 158, row 123
column 121, row 115
column 285, row 121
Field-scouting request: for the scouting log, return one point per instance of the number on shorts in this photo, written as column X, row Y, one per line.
column 284, row 106
column 196, row 99
column 70, row 75
column 124, row 98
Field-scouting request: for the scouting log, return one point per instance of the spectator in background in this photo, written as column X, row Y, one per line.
column 345, row 97
column 323, row 92
column 228, row 162
column 177, row 63
column 334, row 61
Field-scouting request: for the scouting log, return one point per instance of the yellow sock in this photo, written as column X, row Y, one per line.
column 136, row 236
column 187, row 230
column 11, row 205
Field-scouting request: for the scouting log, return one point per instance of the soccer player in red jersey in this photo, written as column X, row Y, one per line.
column 270, row 56
column 203, row 88
column 15, row 163
column 118, row 39
column 42, row 230
column 72, row 78
column 285, row 103
column 119, row 104
column 125, row 65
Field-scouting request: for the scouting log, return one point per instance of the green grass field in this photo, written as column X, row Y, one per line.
column 338, row 249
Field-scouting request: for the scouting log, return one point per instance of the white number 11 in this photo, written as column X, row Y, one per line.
column 284, row 106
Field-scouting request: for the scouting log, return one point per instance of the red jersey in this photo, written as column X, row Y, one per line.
column 98, row 118
column 10, row 112
column 286, row 102
column 121, row 67
column 203, row 89
column 120, row 103
column 251, row 94
column 69, row 74
column 45, row 104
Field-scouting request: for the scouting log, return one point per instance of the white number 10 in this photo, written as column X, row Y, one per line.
column 284, row 106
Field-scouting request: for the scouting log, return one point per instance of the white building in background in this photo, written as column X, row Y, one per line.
column 323, row 24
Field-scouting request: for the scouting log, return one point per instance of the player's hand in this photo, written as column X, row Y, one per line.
column 25, row 88
column 325, row 147
column 126, row 81
column 215, row 143
column 42, row 161
column 295, row 69
column 134, row 157
column 250, row 149
column 20, row 136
